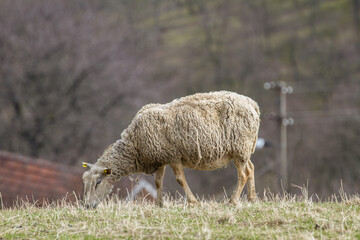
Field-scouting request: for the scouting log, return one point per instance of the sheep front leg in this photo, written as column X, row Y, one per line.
column 159, row 185
column 180, row 178
column 251, row 194
column 242, row 177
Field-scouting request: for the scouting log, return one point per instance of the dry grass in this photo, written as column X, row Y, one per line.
column 272, row 217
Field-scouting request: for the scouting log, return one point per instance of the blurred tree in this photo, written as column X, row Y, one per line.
column 73, row 74
column 65, row 67
column 356, row 11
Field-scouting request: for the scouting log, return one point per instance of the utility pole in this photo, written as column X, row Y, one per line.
column 284, row 121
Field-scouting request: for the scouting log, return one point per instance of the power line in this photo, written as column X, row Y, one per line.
column 330, row 112
column 326, row 116
column 320, row 85
column 322, row 121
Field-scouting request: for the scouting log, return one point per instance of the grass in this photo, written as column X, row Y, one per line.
column 272, row 217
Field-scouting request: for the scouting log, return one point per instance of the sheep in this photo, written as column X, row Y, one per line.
column 204, row 131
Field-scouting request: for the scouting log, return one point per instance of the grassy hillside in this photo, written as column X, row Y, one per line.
column 272, row 217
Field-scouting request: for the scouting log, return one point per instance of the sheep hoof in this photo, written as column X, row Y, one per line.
column 159, row 204
column 233, row 202
column 193, row 202
column 252, row 199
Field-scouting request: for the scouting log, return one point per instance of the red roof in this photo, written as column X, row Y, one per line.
column 36, row 179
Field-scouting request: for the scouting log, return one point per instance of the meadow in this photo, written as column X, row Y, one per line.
column 272, row 216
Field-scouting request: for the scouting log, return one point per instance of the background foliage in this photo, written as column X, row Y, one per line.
column 73, row 74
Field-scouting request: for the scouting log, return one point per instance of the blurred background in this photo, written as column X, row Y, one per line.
column 74, row 73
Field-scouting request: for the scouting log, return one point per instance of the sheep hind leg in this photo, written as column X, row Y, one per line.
column 251, row 194
column 242, row 177
column 159, row 185
column 180, row 178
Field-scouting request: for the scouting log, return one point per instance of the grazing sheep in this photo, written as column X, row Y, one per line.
column 203, row 131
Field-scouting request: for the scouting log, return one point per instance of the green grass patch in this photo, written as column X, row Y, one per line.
column 271, row 217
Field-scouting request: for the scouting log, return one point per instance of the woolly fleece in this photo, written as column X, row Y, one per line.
column 202, row 131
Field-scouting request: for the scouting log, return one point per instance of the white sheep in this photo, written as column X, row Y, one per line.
column 202, row 131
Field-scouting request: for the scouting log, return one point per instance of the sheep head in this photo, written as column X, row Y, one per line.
column 97, row 184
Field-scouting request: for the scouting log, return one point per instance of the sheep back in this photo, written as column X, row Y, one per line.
column 198, row 130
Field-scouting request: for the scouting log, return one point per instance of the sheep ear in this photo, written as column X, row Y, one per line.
column 107, row 171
